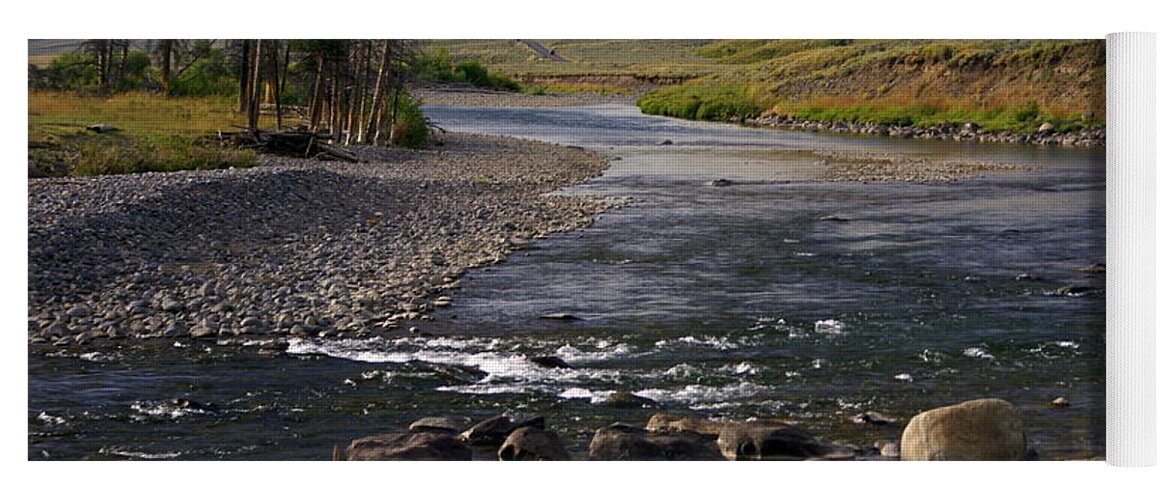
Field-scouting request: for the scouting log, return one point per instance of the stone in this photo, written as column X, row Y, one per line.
column 982, row 429
column 409, row 446
column 1073, row 291
column 1046, row 127
column 1096, row 268
column 622, row 399
column 774, row 441
column 560, row 317
column 666, row 142
column 621, row 442
column 490, row 432
column 102, row 128
column 888, row 449
column 438, row 424
column 79, row 311
column 667, row 422
column 204, row 330
column 550, row 362
column 720, row 183
column 1059, row 402
column 171, row 305
column 873, row 418
column 532, row 444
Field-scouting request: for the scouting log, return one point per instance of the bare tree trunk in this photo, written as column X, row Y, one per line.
column 245, row 62
column 365, row 83
column 165, row 64
column 254, row 104
column 275, row 80
column 379, row 94
column 357, row 93
column 315, row 102
column 122, row 64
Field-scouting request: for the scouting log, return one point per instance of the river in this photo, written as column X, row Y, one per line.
column 778, row 296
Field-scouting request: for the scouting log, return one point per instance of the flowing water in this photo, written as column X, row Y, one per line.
column 778, row 296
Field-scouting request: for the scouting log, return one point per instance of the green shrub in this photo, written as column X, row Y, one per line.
column 410, row 127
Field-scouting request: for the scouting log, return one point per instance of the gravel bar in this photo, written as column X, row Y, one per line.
column 299, row 247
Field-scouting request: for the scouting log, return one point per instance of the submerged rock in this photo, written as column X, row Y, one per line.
column 409, row 446
column 530, row 444
column 1096, row 268
column 873, row 418
column 1074, row 291
column 560, row 317
column 621, row 399
column 982, row 429
column 550, row 362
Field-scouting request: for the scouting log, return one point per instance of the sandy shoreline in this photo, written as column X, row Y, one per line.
column 292, row 246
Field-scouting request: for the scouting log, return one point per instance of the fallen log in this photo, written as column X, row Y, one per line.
column 301, row 144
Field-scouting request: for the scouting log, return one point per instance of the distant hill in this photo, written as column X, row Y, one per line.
column 997, row 83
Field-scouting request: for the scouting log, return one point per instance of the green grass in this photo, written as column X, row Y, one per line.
column 156, row 134
column 998, row 84
column 719, row 102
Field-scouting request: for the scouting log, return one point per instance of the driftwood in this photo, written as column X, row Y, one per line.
column 301, row 144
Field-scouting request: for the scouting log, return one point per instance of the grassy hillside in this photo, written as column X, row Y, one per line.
column 594, row 65
column 999, row 84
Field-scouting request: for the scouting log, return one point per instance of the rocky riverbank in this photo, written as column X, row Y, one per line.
column 1045, row 135
column 299, row 247
column 982, row 429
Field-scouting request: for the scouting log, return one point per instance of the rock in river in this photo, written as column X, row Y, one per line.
column 775, row 441
column 622, row 399
column 530, row 444
column 491, row 432
column 666, row 422
column 438, row 424
column 982, row 429
column 409, row 446
column 621, row 442
column 550, row 362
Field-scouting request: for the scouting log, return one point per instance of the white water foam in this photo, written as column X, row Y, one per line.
column 978, row 353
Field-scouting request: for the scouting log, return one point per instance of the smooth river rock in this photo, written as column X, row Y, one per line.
column 775, row 441
column 532, row 444
column 409, row 446
column 621, row 442
column 982, row 429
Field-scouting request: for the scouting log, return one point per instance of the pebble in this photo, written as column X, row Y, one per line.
column 1045, row 134
column 264, row 247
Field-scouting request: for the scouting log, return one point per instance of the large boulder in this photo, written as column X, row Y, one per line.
column 668, row 422
column 775, row 441
column 982, row 429
column 620, row 442
column 531, row 444
column 409, row 446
